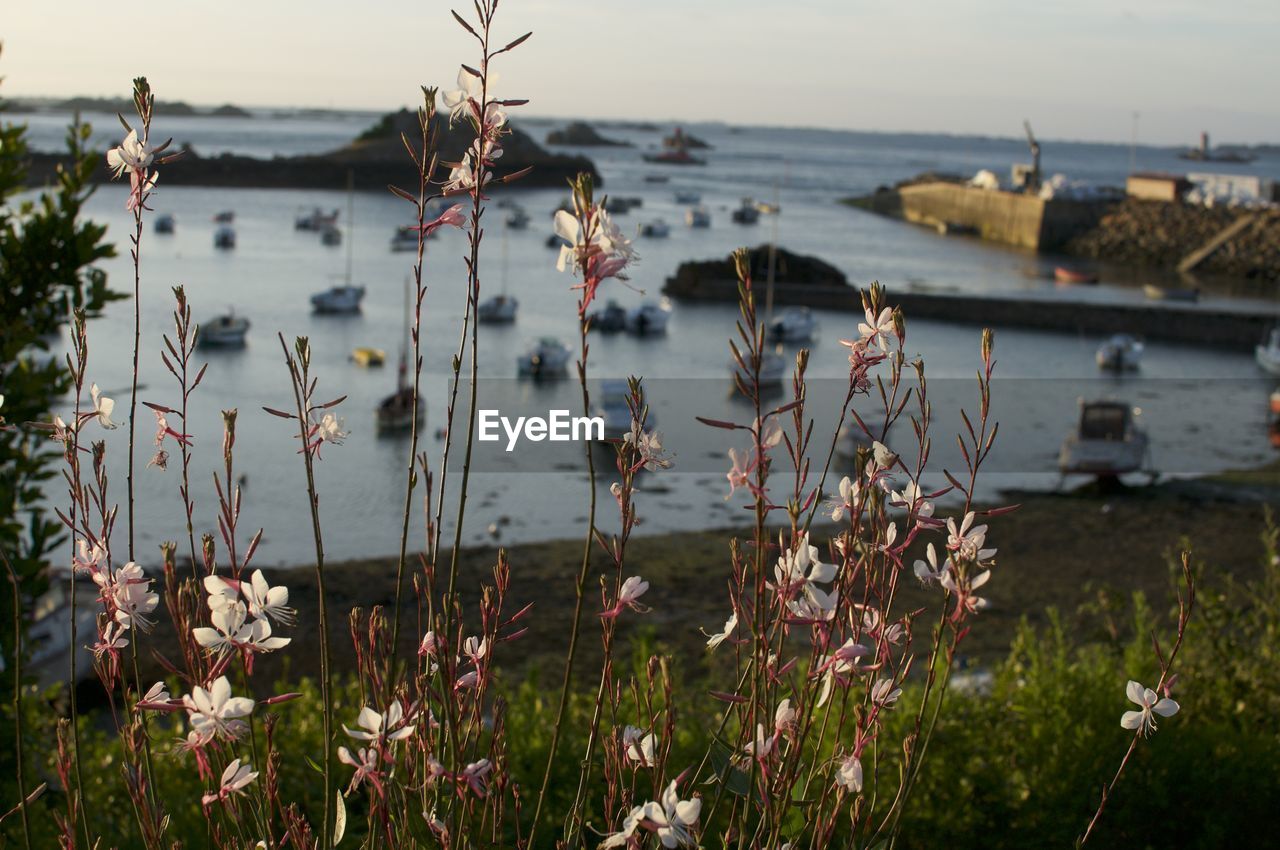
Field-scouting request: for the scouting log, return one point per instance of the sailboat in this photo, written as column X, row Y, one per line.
column 501, row 308
column 397, row 412
column 773, row 364
column 345, row 298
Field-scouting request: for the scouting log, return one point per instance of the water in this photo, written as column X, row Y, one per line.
column 539, row 493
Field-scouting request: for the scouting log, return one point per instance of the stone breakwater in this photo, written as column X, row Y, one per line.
column 1162, row 235
column 1238, row 329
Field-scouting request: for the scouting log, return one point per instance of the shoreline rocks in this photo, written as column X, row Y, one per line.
column 583, row 135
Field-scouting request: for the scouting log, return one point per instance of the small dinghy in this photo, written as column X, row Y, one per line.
column 224, row 238
column 1070, row 274
column 368, row 357
column 166, row 223
column 698, row 216
column 1121, row 353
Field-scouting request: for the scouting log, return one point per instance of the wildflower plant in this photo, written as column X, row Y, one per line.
column 817, row 650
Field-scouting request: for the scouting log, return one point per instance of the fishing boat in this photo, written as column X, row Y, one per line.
column 316, row 220
column 368, row 357
column 345, row 298
column 165, row 223
column 1107, row 441
column 224, row 238
column 656, row 229
column 1120, row 353
column 611, row 319
column 1070, row 275
column 795, row 324
column 746, row 213
column 650, row 318
column 400, row 410
column 225, row 331
column 687, row 197
column 1169, row 293
column 698, row 216
column 547, row 359
column 1268, row 353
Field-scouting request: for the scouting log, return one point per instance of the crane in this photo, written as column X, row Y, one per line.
column 1033, row 179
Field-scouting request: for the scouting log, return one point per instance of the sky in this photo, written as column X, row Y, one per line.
column 1077, row 70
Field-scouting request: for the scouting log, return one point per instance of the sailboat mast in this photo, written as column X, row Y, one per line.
column 351, row 220
column 403, row 370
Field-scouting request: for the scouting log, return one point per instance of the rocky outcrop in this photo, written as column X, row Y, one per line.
column 797, row 278
column 1161, row 235
column 583, row 135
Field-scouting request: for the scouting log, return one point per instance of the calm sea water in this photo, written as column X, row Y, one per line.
column 540, row 494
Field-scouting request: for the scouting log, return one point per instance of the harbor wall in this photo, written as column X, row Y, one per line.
column 1027, row 221
column 1231, row 329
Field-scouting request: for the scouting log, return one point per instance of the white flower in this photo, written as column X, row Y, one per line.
column 158, row 692
column 672, row 819
column 475, row 775
column 229, row 629
column 102, row 407
column 330, row 430
column 132, row 155
column 884, row 693
column 784, row 719
column 215, row 713
column 1150, row 704
column 912, row 498
column 876, row 327
column 930, row 572
column 234, row 780
column 721, row 636
column 629, row 824
column 628, row 597
column 849, row 774
column 816, row 605
column 475, row 649
column 469, row 88
column 762, row 746
column 267, row 601
column 849, row 493
column 881, row 454
column 639, row 746
column 133, row 597
column 800, row 566
column 377, row 726
column 964, row 589
column 966, row 541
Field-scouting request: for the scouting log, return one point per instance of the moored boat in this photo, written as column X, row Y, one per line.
column 1071, row 274
column 698, row 216
column 650, row 318
column 498, row 309
column 368, row 357
column 316, row 220
column 1107, row 441
column 609, row 319
column 1268, row 353
column 656, row 229
column 225, row 331
column 688, row 197
column 1170, row 293
column 547, row 359
column 224, row 238
column 338, row 299
column 746, row 213
column 1120, row 353
column 795, row 324
column 165, row 223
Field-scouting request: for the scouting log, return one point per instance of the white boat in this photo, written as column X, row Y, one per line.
column 316, row 220
column 650, row 318
column 165, row 223
column 656, row 229
column 226, row 331
column 1121, row 353
column 338, row 299
column 345, row 298
column 746, row 213
column 611, row 319
column 498, row 309
column 698, row 216
column 1268, row 354
column 795, row 324
column 1107, row 441
column 688, row 197
column 224, row 237
column 547, row 359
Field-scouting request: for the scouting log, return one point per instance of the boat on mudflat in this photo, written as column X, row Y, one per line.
column 1071, row 274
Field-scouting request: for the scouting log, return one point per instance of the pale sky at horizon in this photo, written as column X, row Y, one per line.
column 932, row 65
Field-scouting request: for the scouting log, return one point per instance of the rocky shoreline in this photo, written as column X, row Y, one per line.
column 374, row 160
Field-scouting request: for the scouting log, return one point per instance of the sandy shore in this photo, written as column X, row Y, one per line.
column 1075, row 552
